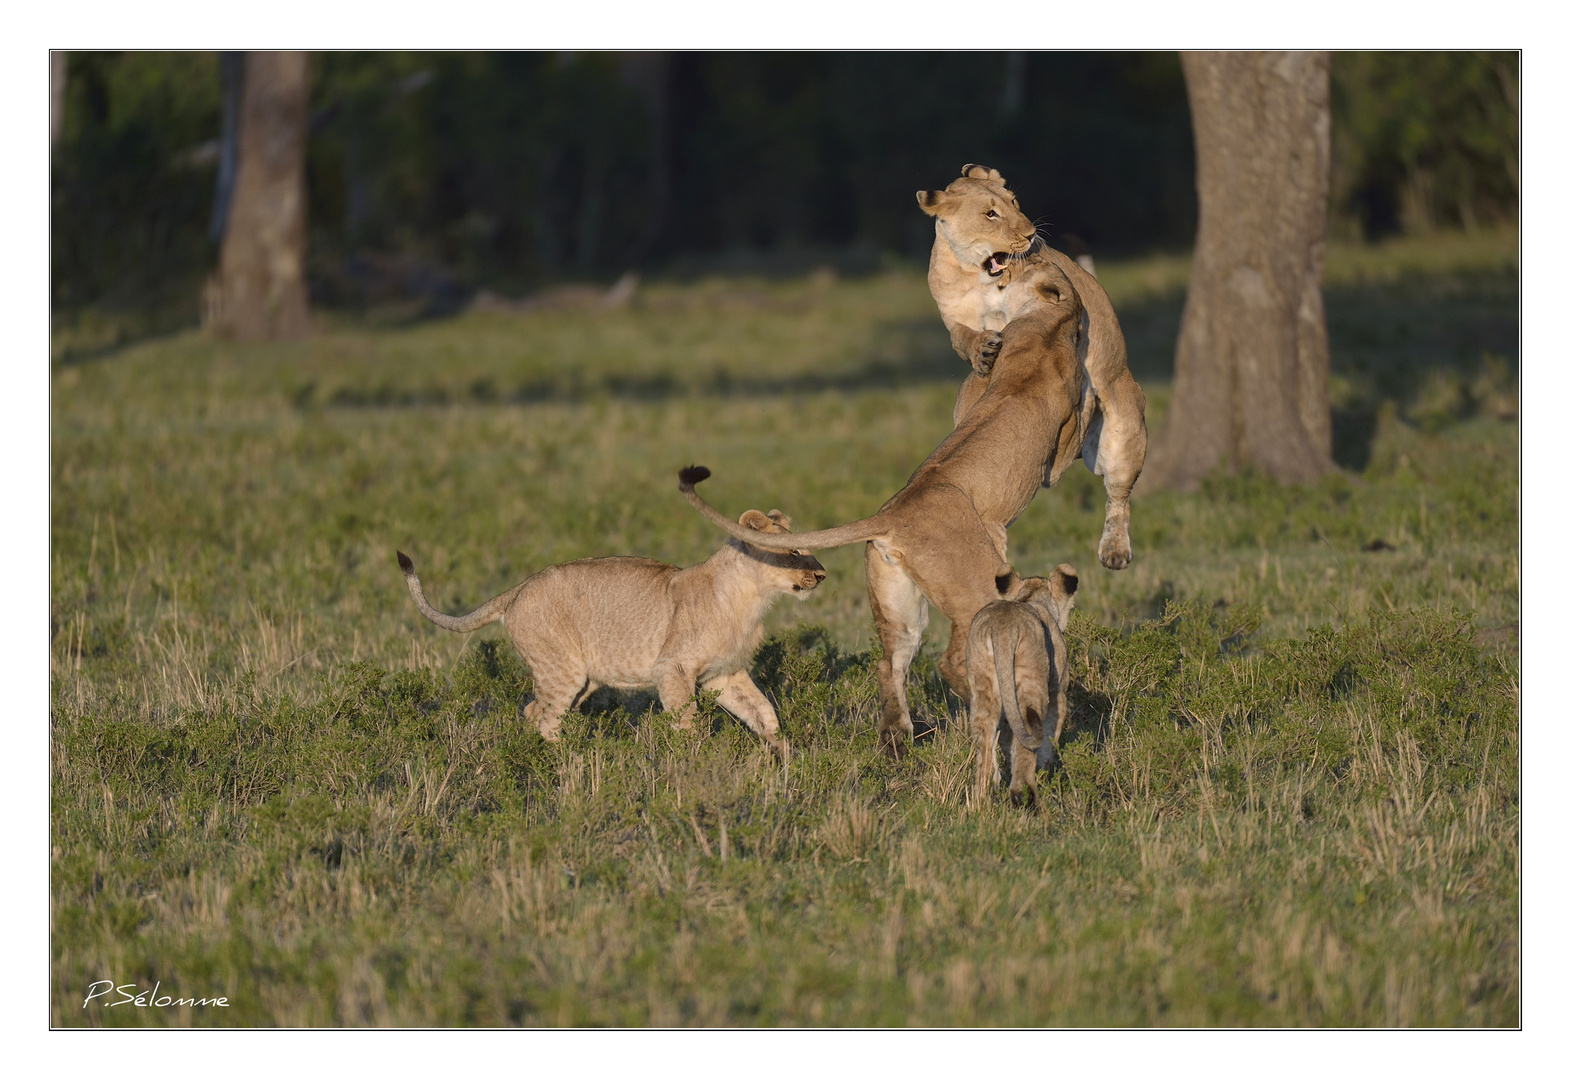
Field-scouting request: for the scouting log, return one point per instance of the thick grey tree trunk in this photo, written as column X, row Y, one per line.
column 1250, row 380
column 258, row 292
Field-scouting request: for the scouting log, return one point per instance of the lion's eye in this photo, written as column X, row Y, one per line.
column 992, row 213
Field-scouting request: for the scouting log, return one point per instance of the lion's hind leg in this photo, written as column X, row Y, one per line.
column 554, row 696
column 985, row 709
column 1023, row 765
column 900, row 617
column 677, row 689
column 1117, row 452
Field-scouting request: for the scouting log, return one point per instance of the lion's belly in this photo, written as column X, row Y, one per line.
column 1009, row 500
column 619, row 651
column 605, row 619
column 1005, row 489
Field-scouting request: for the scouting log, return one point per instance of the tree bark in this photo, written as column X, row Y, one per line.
column 258, row 292
column 231, row 66
column 58, row 70
column 1250, row 379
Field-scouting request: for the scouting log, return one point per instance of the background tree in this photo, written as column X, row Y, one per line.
column 1424, row 140
column 1250, row 380
column 57, row 77
column 259, row 289
column 430, row 176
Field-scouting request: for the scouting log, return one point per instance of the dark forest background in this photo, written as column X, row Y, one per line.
column 438, row 174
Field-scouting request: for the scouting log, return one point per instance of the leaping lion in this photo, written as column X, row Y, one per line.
column 984, row 254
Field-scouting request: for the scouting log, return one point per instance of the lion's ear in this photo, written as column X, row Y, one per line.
column 1055, row 287
column 981, row 172
column 783, row 522
column 755, row 519
column 930, row 202
column 1063, row 583
column 1007, row 581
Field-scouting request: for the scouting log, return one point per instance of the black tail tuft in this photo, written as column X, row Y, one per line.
column 693, row 474
column 405, row 563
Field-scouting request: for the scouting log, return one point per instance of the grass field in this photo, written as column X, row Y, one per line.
column 1290, row 793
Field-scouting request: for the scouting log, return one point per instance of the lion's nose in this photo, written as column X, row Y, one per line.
column 820, row 575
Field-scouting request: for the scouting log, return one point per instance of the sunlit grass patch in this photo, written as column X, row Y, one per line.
column 1290, row 787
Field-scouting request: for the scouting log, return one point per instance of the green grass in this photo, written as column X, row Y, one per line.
column 1290, row 793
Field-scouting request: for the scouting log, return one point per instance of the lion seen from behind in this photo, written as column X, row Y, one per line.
column 1015, row 660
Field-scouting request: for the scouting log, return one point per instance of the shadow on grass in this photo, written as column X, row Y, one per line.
column 915, row 352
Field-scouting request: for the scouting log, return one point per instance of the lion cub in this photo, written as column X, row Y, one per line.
column 631, row 623
column 1015, row 660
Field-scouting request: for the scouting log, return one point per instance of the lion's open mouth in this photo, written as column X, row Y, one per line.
column 995, row 263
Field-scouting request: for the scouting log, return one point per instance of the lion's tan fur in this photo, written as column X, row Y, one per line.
column 977, row 298
column 975, row 218
column 1016, row 662
column 630, row 623
column 942, row 537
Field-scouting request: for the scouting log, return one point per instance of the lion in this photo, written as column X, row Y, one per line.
column 631, row 623
column 980, row 271
column 1016, row 659
column 942, row 537
column 979, row 231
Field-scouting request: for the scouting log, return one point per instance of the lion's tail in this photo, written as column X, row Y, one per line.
column 856, row 531
column 1027, row 724
column 486, row 613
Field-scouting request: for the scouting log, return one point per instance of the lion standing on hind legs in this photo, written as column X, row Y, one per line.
column 983, row 249
column 941, row 538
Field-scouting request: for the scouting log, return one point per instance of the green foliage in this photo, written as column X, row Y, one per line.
column 433, row 175
column 1426, row 140
column 1290, row 783
column 129, row 207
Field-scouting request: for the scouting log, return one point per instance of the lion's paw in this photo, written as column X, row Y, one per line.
column 985, row 355
column 1115, row 552
column 893, row 744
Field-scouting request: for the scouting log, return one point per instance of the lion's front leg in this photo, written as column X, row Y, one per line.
column 742, row 698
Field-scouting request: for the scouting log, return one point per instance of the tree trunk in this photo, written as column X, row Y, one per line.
column 57, row 79
column 258, row 292
column 1250, row 379
column 231, row 67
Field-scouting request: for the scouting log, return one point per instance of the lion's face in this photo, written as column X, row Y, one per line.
column 980, row 219
column 795, row 572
